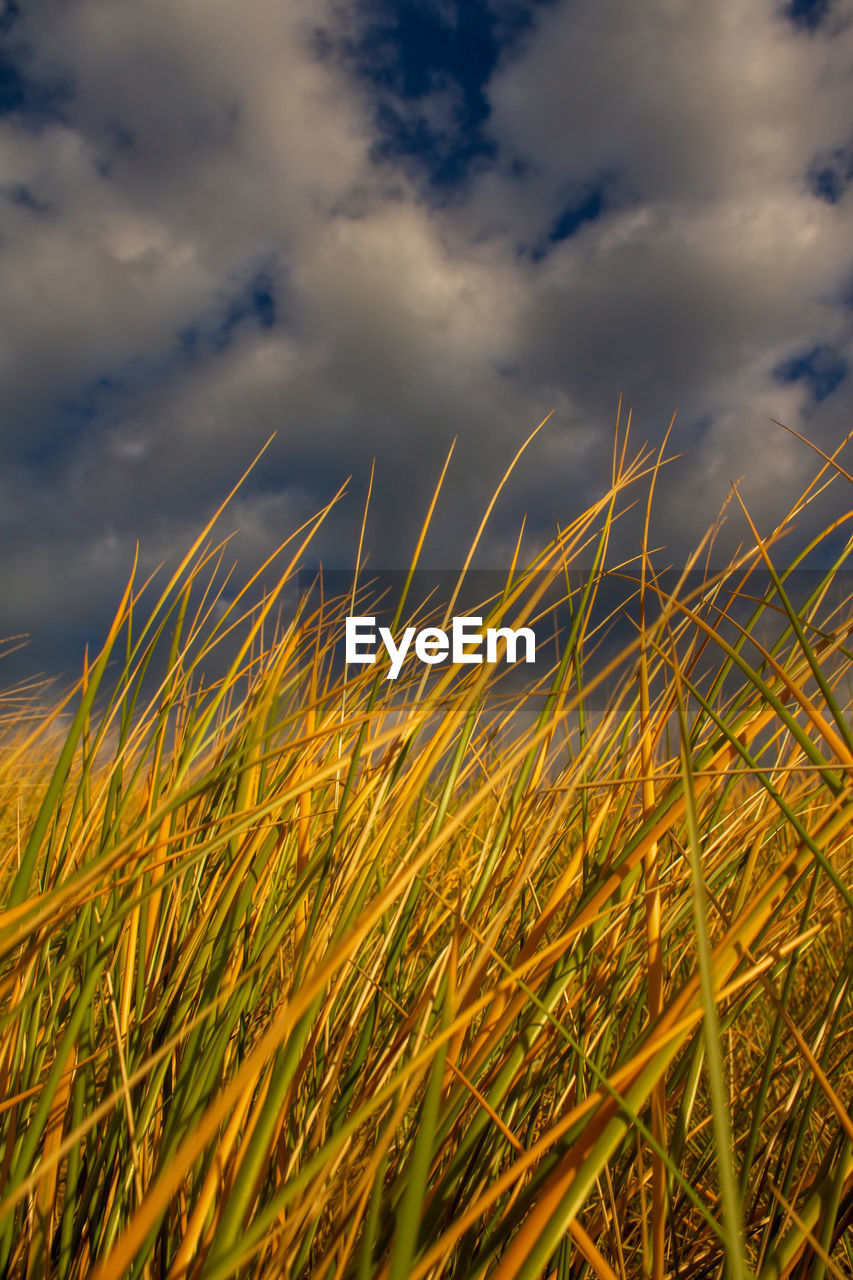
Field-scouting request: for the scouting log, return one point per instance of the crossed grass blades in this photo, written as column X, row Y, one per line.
column 308, row 973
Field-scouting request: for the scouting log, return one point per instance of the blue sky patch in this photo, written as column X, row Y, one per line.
column 575, row 215
column 72, row 416
column 807, row 15
column 446, row 157
column 23, row 197
column 255, row 302
column 587, row 204
column 89, row 404
column 822, row 368
column 427, row 66
column 10, row 11
column 830, row 173
column 13, row 89
column 106, row 395
column 31, row 100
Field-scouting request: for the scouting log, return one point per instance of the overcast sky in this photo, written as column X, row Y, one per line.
column 374, row 225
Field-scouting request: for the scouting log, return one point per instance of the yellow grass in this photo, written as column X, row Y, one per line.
column 305, row 972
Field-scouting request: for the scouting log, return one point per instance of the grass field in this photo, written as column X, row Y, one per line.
column 308, row 973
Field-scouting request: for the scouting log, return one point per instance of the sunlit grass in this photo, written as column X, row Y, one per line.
column 304, row 972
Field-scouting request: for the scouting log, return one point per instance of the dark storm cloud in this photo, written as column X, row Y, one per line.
column 374, row 227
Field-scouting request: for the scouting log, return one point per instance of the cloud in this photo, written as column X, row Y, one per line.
column 374, row 228
column 712, row 261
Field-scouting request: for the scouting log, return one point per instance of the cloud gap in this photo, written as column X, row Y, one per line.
column 830, row 173
column 807, row 15
column 822, row 368
column 427, row 67
column 31, row 101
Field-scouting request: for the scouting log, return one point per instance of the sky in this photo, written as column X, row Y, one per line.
column 374, row 226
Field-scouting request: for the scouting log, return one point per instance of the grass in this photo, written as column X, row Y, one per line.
column 304, row 972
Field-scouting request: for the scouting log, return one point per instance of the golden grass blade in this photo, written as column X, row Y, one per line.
column 307, row 972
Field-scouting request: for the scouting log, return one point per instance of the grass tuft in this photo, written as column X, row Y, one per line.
column 307, row 972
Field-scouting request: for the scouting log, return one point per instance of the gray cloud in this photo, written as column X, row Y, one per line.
column 202, row 244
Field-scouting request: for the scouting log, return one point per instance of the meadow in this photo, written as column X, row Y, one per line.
column 308, row 973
